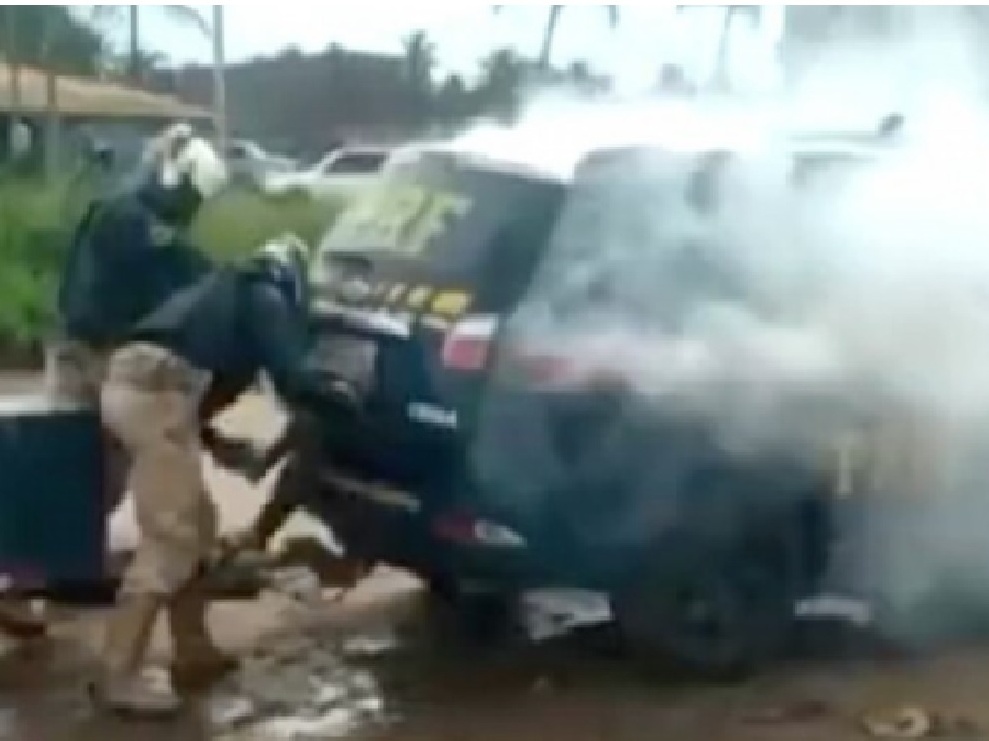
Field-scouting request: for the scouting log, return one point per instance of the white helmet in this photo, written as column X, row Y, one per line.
column 163, row 146
column 195, row 160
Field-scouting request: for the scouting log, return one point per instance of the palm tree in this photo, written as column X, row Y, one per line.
column 183, row 14
column 189, row 16
column 220, row 79
column 502, row 75
column 722, row 69
column 420, row 61
column 553, row 24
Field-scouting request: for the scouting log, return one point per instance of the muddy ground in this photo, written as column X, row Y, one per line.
column 381, row 665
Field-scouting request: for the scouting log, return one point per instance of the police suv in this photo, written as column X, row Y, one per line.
column 489, row 460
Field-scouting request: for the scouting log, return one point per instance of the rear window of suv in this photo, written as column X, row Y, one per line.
column 641, row 238
column 356, row 163
column 439, row 209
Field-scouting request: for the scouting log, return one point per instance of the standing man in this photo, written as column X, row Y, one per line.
column 128, row 254
column 232, row 324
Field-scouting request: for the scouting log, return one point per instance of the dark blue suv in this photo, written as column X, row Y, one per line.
column 490, row 457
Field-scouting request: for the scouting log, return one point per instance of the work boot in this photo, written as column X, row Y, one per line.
column 198, row 663
column 124, row 689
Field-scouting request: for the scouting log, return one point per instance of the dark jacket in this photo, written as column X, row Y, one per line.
column 122, row 264
column 235, row 323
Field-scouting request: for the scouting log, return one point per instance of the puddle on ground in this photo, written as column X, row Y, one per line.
column 8, row 723
column 304, row 690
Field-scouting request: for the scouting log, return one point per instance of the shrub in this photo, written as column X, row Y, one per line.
column 240, row 222
column 37, row 220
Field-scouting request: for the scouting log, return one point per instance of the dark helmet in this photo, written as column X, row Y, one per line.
column 285, row 261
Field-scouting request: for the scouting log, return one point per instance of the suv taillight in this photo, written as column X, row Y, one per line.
column 468, row 346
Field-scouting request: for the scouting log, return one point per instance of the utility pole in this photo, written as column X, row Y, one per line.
column 14, row 72
column 219, row 80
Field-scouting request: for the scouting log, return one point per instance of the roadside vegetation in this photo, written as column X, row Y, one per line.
column 36, row 225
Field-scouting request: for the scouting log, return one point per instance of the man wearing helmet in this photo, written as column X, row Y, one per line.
column 230, row 326
column 128, row 254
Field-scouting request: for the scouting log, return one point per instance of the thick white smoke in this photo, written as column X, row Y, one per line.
column 859, row 303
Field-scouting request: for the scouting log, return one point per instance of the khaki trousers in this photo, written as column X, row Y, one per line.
column 151, row 404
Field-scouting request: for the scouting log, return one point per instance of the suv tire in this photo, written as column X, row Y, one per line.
column 718, row 618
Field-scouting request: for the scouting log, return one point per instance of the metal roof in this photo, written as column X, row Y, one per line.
column 81, row 97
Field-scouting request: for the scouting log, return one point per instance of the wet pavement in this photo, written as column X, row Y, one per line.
column 383, row 666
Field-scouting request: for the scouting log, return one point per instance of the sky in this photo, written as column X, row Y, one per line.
column 648, row 34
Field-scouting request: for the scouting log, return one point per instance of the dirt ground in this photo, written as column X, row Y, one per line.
column 379, row 665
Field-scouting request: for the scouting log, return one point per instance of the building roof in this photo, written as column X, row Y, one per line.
column 79, row 97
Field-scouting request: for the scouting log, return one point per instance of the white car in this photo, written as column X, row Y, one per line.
column 340, row 170
column 250, row 164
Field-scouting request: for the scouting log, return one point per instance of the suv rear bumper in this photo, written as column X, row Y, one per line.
column 396, row 528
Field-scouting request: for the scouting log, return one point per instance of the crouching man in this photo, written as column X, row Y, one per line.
column 232, row 324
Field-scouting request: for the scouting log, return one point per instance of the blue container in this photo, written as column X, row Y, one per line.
column 53, row 523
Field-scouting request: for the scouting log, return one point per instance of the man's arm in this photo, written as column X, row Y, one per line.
column 281, row 337
column 297, row 483
column 103, row 248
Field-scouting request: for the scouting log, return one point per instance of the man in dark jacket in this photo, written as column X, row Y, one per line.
column 234, row 323
column 127, row 255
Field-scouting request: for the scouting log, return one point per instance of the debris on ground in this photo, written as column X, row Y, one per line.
column 370, row 646
column 300, row 690
column 910, row 723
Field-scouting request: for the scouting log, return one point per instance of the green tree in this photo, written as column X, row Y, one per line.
column 58, row 41
column 453, row 100
column 182, row 14
column 420, row 63
column 148, row 63
column 503, row 73
column 553, row 25
column 211, row 28
column 51, row 37
column 722, row 65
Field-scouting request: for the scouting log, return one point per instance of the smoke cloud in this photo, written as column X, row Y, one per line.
column 852, row 306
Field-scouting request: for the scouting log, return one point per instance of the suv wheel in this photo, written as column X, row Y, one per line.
column 718, row 620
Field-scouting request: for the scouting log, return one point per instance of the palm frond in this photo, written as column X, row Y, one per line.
column 188, row 15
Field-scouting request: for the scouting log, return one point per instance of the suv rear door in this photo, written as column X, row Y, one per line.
column 409, row 286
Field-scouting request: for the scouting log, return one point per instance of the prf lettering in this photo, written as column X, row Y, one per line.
column 434, row 218
column 403, row 218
